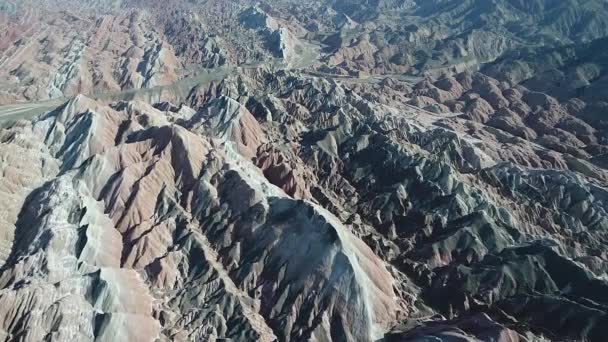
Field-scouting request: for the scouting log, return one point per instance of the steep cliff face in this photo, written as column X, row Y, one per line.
column 187, row 224
column 303, row 171
column 333, row 218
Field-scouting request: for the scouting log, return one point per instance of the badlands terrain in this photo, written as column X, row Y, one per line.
column 316, row 170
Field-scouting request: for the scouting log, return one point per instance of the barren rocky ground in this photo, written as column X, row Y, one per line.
column 323, row 170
